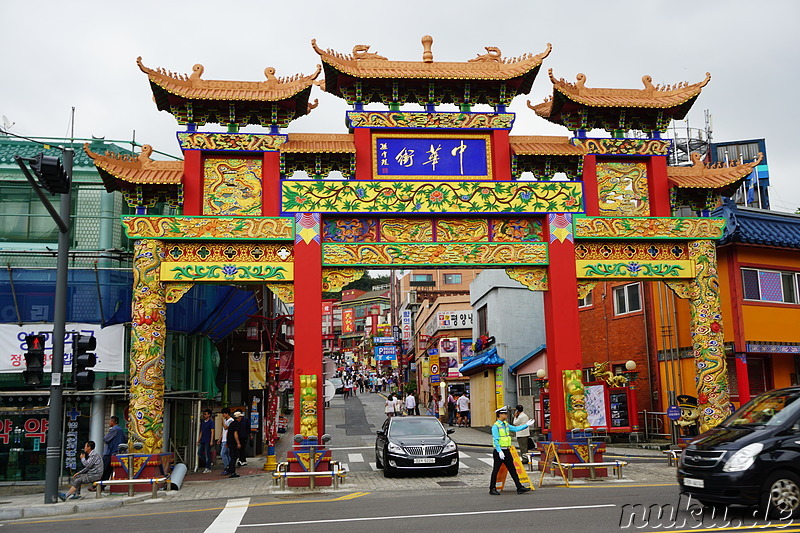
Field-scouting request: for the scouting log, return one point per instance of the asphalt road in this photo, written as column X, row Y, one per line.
column 579, row 509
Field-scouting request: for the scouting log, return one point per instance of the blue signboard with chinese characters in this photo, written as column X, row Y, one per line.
column 433, row 156
column 385, row 353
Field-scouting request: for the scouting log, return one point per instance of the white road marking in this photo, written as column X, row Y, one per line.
column 462, row 455
column 433, row 515
column 488, row 460
column 355, row 457
column 374, row 467
column 463, row 465
column 229, row 519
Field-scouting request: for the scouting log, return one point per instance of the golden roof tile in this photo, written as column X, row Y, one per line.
column 319, row 143
column 193, row 87
column 652, row 96
column 490, row 66
column 544, row 145
column 139, row 170
column 703, row 176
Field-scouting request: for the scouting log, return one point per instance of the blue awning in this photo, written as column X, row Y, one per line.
column 482, row 361
column 527, row 357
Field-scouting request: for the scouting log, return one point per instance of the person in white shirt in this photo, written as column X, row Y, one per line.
column 463, row 410
column 411, row 405
column 520, row 419
column 389, row 406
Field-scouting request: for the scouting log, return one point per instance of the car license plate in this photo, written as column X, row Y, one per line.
column 424, row 460
column 697, row 483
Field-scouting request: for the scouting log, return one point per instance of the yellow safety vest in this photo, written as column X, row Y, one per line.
column 505, row 435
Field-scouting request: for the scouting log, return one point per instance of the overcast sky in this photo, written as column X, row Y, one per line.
column 83, row 54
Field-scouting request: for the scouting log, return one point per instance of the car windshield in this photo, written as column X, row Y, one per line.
column 406, row 427
column 769, row 409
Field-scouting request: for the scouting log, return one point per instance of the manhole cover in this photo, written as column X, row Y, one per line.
column 452, row 483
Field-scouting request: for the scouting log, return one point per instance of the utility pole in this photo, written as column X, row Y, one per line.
column 56, row 181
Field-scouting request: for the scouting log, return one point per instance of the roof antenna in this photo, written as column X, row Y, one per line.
column 7, row 124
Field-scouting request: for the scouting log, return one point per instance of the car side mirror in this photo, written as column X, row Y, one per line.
column 450, row 431
column 381, row 433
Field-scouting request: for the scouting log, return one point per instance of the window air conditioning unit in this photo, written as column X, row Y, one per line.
column 412, row 297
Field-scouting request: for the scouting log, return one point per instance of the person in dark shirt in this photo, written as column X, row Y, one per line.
column 205, row 439
column 112, row 440
column 234, row 441
column 244, row 437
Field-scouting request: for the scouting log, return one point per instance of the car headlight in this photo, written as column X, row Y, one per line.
column 449, row 447
column 395, row 448
column 744, row 458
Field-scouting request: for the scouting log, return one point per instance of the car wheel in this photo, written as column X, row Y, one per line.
column 452, row 471
column 780, row 497
column 378, row 463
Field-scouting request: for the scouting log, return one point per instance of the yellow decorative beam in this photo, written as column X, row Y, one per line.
column 233, row 271
column 284, row 291
column 410, row 254
column 648, row 227
column 334, row 279
column 635, row 269
column 209, row 228
column 175, row 291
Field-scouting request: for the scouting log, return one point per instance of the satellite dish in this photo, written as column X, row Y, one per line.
column 7, row 124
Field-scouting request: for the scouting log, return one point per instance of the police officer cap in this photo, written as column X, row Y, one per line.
column 503, row 409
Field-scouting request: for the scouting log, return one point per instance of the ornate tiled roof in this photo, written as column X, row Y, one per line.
column 544, row 145
column 759, row 227
column 9, row 147
column 652, row 96
column 139, row 170
column 193, row 87
column 702, row 176
column 490, row 66
column 319, row 143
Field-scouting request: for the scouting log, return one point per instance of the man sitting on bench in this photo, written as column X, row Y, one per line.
column 92, row 471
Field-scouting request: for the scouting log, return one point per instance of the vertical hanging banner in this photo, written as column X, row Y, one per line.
column 450, row 348
column 498, row 387
column 257, row 363
column 348, row 320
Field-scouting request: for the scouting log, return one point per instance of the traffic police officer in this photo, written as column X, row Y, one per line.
column 501, row 440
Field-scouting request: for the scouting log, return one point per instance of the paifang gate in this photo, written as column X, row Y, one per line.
column 425, row 187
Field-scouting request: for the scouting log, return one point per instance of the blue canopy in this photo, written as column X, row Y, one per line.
column 485, row 359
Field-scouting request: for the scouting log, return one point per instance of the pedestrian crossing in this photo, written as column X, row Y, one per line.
column 357, row 462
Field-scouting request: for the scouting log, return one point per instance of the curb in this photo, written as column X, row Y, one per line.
column 63, row 508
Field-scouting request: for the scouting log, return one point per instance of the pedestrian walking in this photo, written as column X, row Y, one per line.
column 244, row 438
column 523, row 435
column 112, row 440
column 204, row 440
column 411, row 405
column 501, row 441
column 389, row 406
column 224, row 452
column 451, row 408
column 463, row 410
column 234, row 442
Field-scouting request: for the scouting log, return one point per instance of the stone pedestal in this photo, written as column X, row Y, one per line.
column 144, row 466
column 299, row 462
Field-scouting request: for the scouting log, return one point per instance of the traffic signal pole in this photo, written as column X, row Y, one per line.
column 56, row 417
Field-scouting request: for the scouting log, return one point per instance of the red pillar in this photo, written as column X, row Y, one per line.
column 562, row 323
column 192, row 182
column 658, row 183
column 308, row 311
column 362, row 138
column 501, row 155
column 739, row 344
column 271, row 185
column 591, row 202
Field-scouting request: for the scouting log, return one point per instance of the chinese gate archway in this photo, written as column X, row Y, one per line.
column 426, row 188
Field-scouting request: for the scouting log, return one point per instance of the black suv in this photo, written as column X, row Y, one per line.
column 752, row 458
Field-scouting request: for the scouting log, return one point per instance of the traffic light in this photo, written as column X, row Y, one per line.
column 51, row 174
column 34, row 360
column 82, row 361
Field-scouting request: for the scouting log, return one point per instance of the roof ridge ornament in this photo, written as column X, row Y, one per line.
column 427, row 53
column 361, row 52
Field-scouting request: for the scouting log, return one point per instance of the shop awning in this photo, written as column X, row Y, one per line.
column 482, row 361
column 527, row 357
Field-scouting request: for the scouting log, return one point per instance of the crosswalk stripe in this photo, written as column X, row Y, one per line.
column 464, row 465
column 228, row 520
column 373, row 466
column 488, row 460
column 355, row 457
column 462, row 455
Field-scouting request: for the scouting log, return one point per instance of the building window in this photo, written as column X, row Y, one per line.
column 627, row 299
column 770, row 285
column 421, row 277
column 452, row 279
column 527, row 385
column 587, row 301
column 482, row 325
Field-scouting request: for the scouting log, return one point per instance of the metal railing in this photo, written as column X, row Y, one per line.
column 656, row 425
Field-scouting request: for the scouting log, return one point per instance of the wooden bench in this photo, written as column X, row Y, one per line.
column 336, row 473
column 616, row 468
column 155, row 482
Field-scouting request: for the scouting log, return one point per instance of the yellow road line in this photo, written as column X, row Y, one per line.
column 62, row 519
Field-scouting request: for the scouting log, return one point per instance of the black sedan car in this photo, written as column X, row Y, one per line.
column 415, row 443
